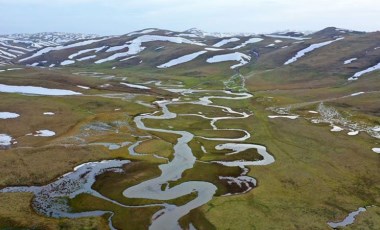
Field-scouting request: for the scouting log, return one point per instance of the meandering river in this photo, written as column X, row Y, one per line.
column 49, row 198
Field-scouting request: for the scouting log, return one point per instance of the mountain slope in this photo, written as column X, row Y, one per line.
column 15, row 45
column 331, row 51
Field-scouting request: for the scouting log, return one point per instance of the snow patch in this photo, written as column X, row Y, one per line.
column 134, row 86
column 83, row 87
column 250, row 41
column 67, row 62
column 86, row 51
column 336, row 129
column 286, row 37
column 376, row 150
column 309, row 49
column 128, row 58
column 240, row 57
column 353, row 133
column 181, row 60
column 86, row 58
column 346, row 62
column 359, row 74
column 356, row 94
column 188, row 35
column 44, row 133
column 147, row 31
column 35, row 90
column 226, row 41
column 213, row 49
column 8, row 115
column 376, row 129
column 5, row 140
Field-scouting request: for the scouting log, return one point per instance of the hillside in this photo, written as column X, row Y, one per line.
column 163, row 49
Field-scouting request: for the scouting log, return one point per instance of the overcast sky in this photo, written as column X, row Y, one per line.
column 108, row 17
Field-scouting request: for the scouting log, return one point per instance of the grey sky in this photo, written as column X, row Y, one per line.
column 122, row 16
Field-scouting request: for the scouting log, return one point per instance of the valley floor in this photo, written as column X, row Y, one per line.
column 266, row 159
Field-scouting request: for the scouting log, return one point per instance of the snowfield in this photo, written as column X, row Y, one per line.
column 35, row 90
column 240, row 57
column 359, row 74
column 226, row 41
column 181, row 60
column 309, row 49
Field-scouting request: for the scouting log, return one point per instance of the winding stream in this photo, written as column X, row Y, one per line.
column 49, row 199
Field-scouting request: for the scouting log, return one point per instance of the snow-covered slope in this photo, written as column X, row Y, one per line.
column 102, row 50
column 195, row 49
column 39, row 40
column 16, row 45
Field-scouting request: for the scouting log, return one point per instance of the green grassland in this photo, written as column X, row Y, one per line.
column 308, row 184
